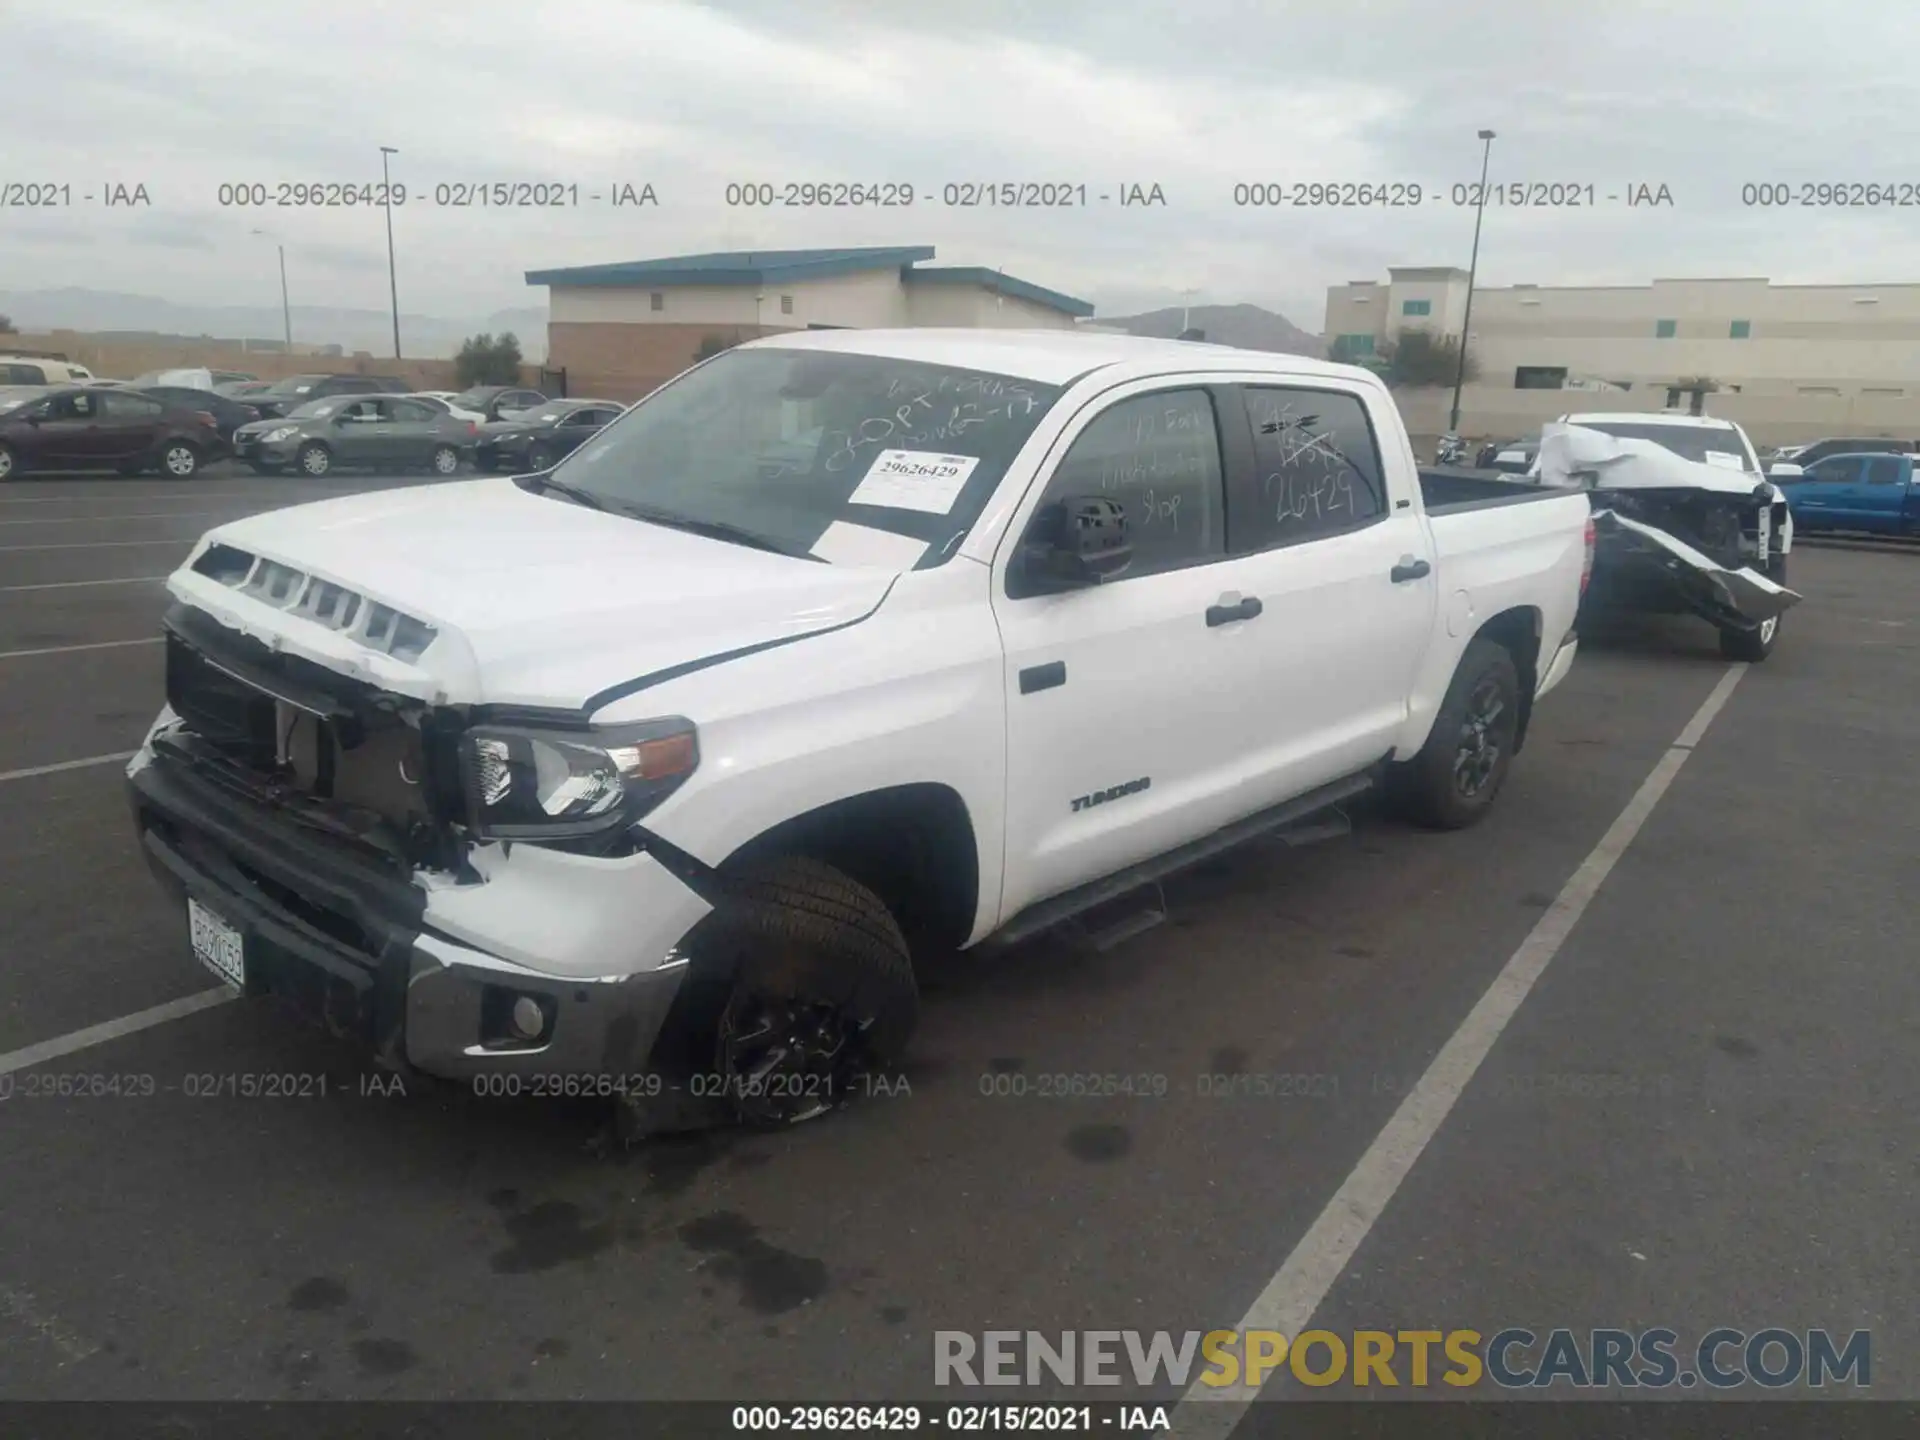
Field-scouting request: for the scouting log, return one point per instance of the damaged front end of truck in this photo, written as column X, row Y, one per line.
column 1676, row 536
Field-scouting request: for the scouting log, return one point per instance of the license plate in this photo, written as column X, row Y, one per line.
column 217, row 944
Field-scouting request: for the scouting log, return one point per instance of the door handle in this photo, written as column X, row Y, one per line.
column 1226, row 614
column 1409, row 569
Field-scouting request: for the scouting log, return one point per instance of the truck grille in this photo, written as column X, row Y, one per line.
column 378, row 627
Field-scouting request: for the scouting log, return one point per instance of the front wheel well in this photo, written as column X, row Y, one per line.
column 1517, row 631
column 912, row 845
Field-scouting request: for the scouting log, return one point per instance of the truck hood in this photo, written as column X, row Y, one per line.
column 530, row 599
column 1569, row 452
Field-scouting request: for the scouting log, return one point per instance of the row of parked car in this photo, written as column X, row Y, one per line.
column 175, row 422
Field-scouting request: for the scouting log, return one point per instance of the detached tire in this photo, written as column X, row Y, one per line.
column 1453, row 781
column 1753, row 646
column 809, row 983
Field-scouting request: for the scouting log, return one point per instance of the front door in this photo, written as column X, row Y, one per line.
column 1126, row 713
column 1881, row 493
column 1824, row 496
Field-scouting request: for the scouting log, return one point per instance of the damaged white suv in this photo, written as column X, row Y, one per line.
column 1686, row 521
column 839, row 647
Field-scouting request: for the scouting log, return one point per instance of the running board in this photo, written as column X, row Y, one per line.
column 1289, row 819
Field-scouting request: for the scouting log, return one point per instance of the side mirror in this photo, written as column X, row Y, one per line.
column 1785, row 471
column 1076, row 542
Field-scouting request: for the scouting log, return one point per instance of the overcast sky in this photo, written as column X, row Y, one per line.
column 1193, row 95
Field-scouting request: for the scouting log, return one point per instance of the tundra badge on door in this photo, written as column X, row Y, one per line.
column 1101, row 797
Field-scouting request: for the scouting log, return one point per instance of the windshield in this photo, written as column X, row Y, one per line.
column 315, row 409
column 14, row 399
column 1702, row 444
column 476, row 399
column 293, row 385
column 787, row 443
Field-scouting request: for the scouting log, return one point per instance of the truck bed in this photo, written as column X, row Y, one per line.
column 1454, row 489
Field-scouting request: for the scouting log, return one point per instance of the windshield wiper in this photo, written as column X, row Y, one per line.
column 561, row 487
column 712, row 529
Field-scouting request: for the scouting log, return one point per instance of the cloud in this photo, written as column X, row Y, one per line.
column 1705, row 98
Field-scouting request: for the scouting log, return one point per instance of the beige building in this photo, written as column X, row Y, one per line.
column 620, row 330
column 1790, row 361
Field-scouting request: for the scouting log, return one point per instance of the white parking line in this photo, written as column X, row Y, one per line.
column 59, row 765
column 102, row 544
column 102, row 519
column 113, row 1029
column 76, row 584
column 69, row 649
column 1303, row 1280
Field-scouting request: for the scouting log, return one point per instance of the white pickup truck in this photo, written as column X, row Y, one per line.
column 839, row 648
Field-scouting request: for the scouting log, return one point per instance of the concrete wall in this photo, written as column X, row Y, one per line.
column 123, row 360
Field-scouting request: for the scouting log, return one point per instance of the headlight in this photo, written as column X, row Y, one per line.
column 282, row 432
column 554, row 784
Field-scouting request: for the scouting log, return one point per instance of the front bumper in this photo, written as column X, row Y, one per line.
column 254, row 451
column 490, row 454
column 354, row 946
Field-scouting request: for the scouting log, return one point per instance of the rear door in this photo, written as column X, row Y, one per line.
column 1882, row 493
column 414, row 430
column 131, row 425
column 358, row 435
column 1347, row 574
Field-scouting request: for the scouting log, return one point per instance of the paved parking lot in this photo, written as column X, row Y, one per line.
column 1697, row 1115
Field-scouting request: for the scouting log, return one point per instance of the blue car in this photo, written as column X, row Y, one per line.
column 1869, row 494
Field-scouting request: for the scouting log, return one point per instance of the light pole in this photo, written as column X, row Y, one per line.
column 286, row 310
column 1473, row 269
column 393, row 283
column 1186, row 309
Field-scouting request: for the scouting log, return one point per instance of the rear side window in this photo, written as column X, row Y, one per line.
column 1159, row 456
column 412, row 411
column 119, row 405
column 1317, row 463
column 1885, row 470
column 17, row 374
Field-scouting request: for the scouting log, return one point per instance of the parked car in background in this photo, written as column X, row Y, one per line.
column 385, row 432
column 228, row 415
column 1818, row 450
column 498, row 402
column 536, row 439
column 1872, row 494
column 450, row 401
column 77, row 427
column 38, row 370
column 193, row 378
column 284, row 396
column 243, row 389
column 1511, row 457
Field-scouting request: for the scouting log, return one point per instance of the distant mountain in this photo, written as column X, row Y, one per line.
column 1246, row 326
column 427, row 336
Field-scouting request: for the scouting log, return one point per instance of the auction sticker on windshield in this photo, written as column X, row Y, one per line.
column 914, row 480
column 1726, row 460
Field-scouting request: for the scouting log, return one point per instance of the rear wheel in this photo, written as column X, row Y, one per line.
column 179, row 459
column 446, row 460
column 801, row 981
column 315, row 459
column 1453, row 781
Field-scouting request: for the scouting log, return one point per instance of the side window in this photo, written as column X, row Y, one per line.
column 410, row 412
column 82, row 405
column 122, row 406
column 25, row 375
column 1832, row 472
column 1159, row 456
column 1884, row 470
column 1317, row 464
